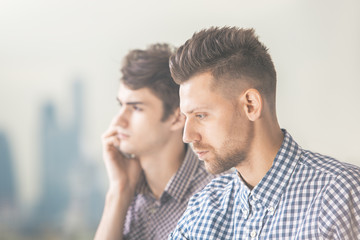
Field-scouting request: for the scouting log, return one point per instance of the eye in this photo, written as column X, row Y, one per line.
column 200, row 116
column 136, row 108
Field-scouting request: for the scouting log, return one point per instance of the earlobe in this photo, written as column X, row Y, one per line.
column 253, row 104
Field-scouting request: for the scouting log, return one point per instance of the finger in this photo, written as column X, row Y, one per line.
column 111, row 131
column 112, row 141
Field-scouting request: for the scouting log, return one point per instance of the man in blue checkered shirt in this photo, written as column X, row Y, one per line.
column 279, row 190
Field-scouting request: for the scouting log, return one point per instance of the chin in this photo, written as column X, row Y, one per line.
column 126, row 148
column 213, row 169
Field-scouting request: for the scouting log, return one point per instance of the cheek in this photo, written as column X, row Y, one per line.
column 213, row 134
column 141, row 121
column 148, row 127
column 223, row 131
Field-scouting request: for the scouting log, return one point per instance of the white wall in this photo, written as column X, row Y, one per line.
column 45, row 44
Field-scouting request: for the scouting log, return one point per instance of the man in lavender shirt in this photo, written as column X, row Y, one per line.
column 152, row 173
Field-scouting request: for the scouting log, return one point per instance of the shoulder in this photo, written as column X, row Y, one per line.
column 339, row 214
column 341, row 178
column 343, row 172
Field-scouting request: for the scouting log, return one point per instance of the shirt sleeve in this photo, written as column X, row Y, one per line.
column 340, row 214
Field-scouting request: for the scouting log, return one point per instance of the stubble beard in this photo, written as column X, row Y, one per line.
column 223, row 163
column 220, row 163
column 234, row 151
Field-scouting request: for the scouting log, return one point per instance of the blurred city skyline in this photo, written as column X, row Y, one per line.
column 71, row 195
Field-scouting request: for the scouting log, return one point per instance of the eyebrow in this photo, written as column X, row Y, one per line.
column 195, row 109
column 131, row 103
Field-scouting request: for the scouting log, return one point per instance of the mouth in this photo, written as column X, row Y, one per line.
column 201, row 154
column 123, row 136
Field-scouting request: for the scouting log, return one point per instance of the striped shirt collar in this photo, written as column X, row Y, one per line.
column 179, row 183
column 271, row 187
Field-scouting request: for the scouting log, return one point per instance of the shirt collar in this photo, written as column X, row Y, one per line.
column 177, row 185
column 142, row 186
column 272, row 185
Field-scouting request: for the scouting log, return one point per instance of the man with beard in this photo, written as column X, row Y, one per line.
column 279, row 191
column 152, row 173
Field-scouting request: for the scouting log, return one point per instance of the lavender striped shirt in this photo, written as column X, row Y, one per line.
column 149, row 218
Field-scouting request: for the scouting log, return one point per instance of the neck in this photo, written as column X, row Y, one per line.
column 267, row 142
column 162, row 163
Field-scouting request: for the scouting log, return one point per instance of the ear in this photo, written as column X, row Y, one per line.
column 177, row 120
column 253, row 104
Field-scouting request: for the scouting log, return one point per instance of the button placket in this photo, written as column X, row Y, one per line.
column 153, row 208
column 245, row 213
column 254, row 200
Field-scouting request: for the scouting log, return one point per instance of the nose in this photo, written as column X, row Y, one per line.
column 190, row 133
column 121, row 118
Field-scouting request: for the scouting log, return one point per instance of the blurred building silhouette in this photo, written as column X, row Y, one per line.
column 71, row 199
column 7, row 178
column 59, row 152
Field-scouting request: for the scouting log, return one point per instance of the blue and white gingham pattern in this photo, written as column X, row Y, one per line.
column 148, row 218
column 304, row 195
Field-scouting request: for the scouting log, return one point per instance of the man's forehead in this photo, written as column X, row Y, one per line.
column 197, row 84
column 194, row 94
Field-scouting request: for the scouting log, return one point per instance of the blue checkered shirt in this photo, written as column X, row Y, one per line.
column 304, row 195
column 149, row 218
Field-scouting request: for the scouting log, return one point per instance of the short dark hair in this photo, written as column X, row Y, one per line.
column 149, row 68
column 228, row 53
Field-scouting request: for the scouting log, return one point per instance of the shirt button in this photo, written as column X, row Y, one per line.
column 253, row 234
column 271, row 210
column 245, row 212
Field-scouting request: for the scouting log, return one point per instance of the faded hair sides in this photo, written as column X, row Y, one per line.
column 231, row 55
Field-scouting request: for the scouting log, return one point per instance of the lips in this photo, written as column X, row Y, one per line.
column 123, row 136
column 201, row 154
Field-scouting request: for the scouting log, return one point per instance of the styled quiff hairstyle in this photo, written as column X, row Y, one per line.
column 234, row 56
column 149, row 68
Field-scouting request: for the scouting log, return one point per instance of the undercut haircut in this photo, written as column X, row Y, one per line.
column 234, row 57
column 149, row 68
